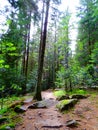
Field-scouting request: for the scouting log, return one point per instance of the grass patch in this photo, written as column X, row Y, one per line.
column 4, row 126
column 78, row 91
column 7, row 101
column 93, row 96
column 59, row 93
column 12, row 118
column 4, row 110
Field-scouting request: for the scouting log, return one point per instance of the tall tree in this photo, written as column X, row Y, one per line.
column 41, row 53
column 87, row 31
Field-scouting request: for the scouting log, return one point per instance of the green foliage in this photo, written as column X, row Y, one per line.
column 12, row 118
column 4, row 110
column 16, row 87
column 95, row 54
column 83, row 77
column 86, row 50
column 60, row 77
column 4, row 127
column 32, row 80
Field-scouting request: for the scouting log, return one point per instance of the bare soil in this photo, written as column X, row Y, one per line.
column 85, row 113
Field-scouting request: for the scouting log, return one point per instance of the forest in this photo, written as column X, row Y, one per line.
column 36, row 58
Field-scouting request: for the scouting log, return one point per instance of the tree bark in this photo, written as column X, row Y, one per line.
column 28, row 43
column 41, row 54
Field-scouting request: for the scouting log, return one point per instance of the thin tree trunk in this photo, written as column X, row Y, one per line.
column 24, row 66
column 28, row 42
column 41, row 55
column 54, row 59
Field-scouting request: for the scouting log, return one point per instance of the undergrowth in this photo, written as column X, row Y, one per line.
column 11, row 117
column 59, row 93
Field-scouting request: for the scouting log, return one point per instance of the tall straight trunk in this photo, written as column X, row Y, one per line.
column 41, row 54
column 26, row 53
column 24, row 56
column 67, row 82
column 42, row 24
column 54, row 59
column 28, row 43
column 24, row 66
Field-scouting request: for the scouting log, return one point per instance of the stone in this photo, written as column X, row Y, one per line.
column 71, row 123
column 54, row 126
column 27, row 101
column 37, row 105
column 20, row 109
column 30, row 118
column 8, row 128
column 63, row 97
column 66, row 104
column 0, row 116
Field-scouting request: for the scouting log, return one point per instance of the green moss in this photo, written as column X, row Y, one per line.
column 62, row 103
column 59, row 93
column 66, row 104
column 78, row 91
column 3, row 127
column 12, row 119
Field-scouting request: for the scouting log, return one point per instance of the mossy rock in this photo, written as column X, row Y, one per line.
column 78, row 96
column 66, row 104
column 63, row 97
column 37, row 105
column 20, row 109
column 13, row 105
column 71, row 123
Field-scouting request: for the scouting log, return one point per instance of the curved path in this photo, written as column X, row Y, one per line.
column 43, row 119
column 85, row 112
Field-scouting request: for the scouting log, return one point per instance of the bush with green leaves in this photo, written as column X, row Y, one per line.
column 60, row 77
column 64, row 78
column 84, row 77
column 32, row 80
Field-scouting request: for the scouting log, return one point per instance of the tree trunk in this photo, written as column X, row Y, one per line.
column 28, row 42
column 41, row 55
column 26, row 53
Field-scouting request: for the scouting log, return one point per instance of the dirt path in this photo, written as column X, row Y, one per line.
column 85, row 112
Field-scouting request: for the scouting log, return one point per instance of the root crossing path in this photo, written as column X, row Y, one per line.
column 51, row 119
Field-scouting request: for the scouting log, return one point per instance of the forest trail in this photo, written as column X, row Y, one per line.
column 85, row 113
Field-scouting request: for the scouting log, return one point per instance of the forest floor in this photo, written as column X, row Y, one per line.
column 85, row 113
